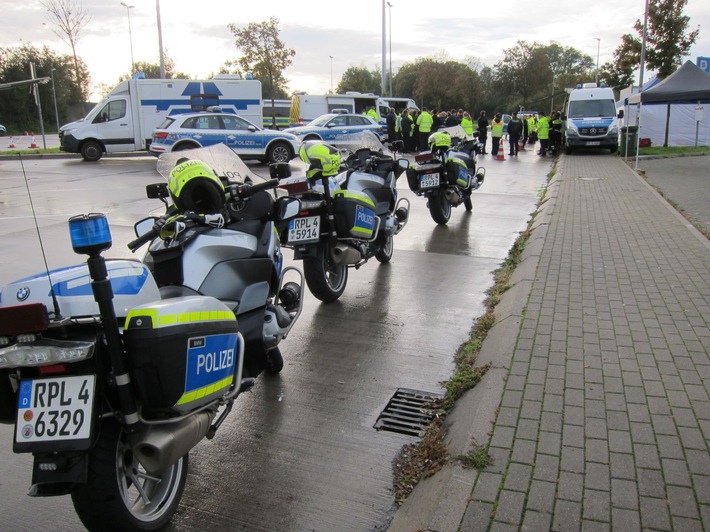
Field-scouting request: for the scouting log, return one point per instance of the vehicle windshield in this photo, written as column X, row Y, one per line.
column 592, row 108
column 321, row 120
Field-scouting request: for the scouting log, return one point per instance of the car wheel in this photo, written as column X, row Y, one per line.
column 91, row 151
column 279, row 152
column 312, row 137
column 185, row 146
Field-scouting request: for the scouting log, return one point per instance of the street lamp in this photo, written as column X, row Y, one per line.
column 54, row 95
column 331, row 74
column 596, row 77
column 384, row 51
column 130, row 34
column 390, row 6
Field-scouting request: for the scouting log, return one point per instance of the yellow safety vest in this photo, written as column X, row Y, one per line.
column 467, row 125
column 543, row 128
column 497, row 129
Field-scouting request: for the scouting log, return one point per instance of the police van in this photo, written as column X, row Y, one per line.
column 276, row 113
column 124, row 121
column 591, row 118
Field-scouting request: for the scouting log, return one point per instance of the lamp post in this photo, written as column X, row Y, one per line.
column 596, row 77
column 54, row 95
column 384, row 51
column 160, row 40
column 331, row 74
column 390, row 6
column 130, row 34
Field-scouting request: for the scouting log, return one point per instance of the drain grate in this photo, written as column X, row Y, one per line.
column 408, row 412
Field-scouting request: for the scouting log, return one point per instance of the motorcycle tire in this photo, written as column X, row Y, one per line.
column 385, row 251
column 439, row 207
column 274, row 361
column 325, row 279
column 468, row 203
column 110, row 499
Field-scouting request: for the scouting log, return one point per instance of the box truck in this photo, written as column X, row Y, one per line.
column 308, row 107
column 591, row 118
column 125, row 120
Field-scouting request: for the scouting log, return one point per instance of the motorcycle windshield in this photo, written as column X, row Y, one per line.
column 353, row 142
column 222, row 159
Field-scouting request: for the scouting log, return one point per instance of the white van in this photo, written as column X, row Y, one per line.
column 591, row 118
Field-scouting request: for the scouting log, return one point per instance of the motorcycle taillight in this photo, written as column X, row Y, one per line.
column 423, row 156
column 52, row 370
column 22, row 319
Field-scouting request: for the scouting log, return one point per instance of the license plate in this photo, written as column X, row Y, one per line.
column 593, row 143
column 429, row 180
column 54, row 411
column 305, row 229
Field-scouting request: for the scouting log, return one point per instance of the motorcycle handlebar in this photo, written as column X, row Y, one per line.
column 138, row 242
column 246, row 190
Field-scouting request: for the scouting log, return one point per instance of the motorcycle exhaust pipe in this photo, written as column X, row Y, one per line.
column 344, row 254
column 160, row 446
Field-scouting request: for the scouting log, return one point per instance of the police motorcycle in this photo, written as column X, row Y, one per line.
column 350, row 211
column 447, row 174
column 112, row 373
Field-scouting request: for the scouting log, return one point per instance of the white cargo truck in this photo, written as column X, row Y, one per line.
column 125, row 120
column 308, row 107
column 591, row 119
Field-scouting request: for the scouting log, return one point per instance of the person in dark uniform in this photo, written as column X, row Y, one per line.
column 483, row 130
column 515, row 130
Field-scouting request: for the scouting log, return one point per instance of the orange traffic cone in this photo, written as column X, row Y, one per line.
column 34, row 144
column 11, row 145
column 501, row 151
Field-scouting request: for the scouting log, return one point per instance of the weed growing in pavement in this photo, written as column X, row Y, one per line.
column 477, row 458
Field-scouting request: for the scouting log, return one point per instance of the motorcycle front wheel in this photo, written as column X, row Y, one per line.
column 386, row 250
column 468, row 203
column 439, row 207
column 119, row 493
column 325, row 279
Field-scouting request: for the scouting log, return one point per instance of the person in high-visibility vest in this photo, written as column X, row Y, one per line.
column 543, row 133
column 532, row 129
column 371, row 112
column 424, row 122
column 467, row 124
column 496, row 133
column 555, row 132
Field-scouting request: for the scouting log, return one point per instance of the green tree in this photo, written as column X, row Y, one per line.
column 17, row 106
column 524, row 77
column 152, row 70
column 359, row 79
column 667, row 40
column 264, row 55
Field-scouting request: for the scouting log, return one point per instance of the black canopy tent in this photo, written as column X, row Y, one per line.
column 689, row 84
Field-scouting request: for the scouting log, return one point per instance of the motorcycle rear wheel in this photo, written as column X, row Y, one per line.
column 325, row 279
column 385, row 251
column 439, row 207
column 468, row 203
column 119, row 494
column 274, row 361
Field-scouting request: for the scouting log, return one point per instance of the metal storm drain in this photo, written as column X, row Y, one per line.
column 408, row 412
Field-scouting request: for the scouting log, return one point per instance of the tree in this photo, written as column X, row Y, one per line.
column 524, row 76
column 667, row 40
column 359, row 79
column 70, row 18
column 264, row 55
column 152, row 70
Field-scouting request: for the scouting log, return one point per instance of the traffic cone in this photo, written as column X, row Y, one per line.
column 501, row 152
column 34, row 144
column 11, row 145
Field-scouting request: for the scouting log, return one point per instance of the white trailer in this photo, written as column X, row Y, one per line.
column 125, row 120
column 308, row 107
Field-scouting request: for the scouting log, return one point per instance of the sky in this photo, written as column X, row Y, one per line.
column 331, row 36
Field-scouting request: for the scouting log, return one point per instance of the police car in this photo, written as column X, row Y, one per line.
column 334, row 126
column 198, row 130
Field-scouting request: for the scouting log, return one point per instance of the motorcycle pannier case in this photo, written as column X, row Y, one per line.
column 354, row 215
column 457, row 171
column 182, row 353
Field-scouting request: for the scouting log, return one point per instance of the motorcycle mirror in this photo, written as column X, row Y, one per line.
column 403, row 163
column 157, row 191
column 288, row 208
column 279, row 170
column 142, row 227
column 397, row 145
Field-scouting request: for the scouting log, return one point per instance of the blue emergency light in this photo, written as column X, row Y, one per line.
column 90, row 234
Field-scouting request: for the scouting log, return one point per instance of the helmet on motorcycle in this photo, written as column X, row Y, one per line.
column 196, row 188
column 320, row 157
column 439, row 140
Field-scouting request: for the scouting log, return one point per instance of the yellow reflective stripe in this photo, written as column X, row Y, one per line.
column 361, row 230
column 184, row 317
column 355, row 195
column 195, row 395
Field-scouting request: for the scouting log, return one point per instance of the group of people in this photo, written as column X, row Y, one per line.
column 414, row 128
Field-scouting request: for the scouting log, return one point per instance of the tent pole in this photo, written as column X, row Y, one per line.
column 668, row 124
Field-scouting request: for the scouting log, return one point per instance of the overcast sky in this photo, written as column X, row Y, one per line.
column 196, row 36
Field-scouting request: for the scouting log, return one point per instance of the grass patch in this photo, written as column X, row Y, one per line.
column 674, row 150
column 476, row 458
column 31, row 152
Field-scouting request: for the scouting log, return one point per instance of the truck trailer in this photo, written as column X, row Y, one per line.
column 124, row 121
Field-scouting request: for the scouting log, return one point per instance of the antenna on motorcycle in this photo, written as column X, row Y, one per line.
column 55, row 303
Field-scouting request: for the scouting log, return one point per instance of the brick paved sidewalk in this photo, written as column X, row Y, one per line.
column 604, row 414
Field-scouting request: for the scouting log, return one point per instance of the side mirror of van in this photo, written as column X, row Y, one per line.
column 621, row 114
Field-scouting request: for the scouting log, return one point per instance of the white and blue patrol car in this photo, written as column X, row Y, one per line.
column 333, row 127
column 198, row 130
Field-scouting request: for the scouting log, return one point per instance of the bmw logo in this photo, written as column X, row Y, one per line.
column 23, row 293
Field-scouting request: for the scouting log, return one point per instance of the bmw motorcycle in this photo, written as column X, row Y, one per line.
column 349, row 214
column 113, row 370
column 447, row 174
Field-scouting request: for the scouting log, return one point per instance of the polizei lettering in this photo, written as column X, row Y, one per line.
column 364, row 217
column 217, row 361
